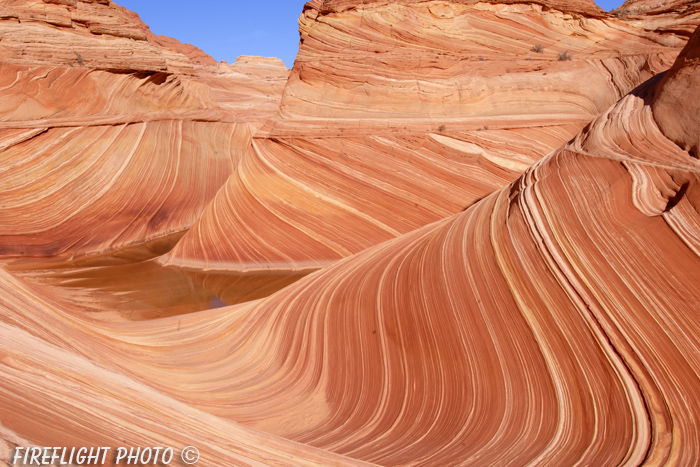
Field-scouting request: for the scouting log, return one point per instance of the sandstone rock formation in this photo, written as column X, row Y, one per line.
column 192, row 52
column 562, row 302
column 397, row 114
column 676, row 106
column 522, row 294
column 101, row 127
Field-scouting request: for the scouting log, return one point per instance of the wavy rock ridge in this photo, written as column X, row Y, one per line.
column 552, row 322
column 397, row 114
column 100, row 126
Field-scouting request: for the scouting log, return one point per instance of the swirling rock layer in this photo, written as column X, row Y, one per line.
column 101, row 127
column 485, row 305
column 397, row 114
column 561, row 302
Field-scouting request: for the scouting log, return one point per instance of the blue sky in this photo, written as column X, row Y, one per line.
column 226, row 29
column 609, row 5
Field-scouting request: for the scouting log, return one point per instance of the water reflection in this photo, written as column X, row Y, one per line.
column 146, row 290
column 216, row 302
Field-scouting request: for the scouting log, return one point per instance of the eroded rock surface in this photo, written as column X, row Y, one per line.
column 490, row 301
column 109, row 140
column 397, row 114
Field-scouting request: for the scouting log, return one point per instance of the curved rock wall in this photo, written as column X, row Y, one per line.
column 111, row 141
column 397, row 114
column 486, row 295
